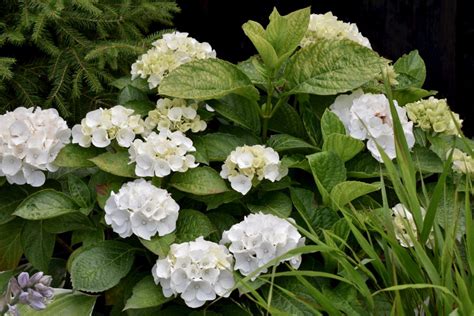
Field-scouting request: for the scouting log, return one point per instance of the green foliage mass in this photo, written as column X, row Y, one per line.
column 65, row 53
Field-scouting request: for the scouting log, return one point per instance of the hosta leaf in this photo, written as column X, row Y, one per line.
column 207, row 79
column 331, row 67
column 10, row 244
column 74, row 156
column 46, row 204
column 101, row 266
column 199, row 181
column 239, row 110
column 192, row 224
column 345, row 192
column 37, row 244
column 344, row 146
column 115, row 163
column 276, row 203
column 146, row 294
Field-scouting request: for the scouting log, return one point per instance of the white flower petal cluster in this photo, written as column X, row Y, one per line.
column 175, row 115
column 434, row 114
column 101, row 126
column 30, row 141
column 173, row 50
column 199, row 270
column 142, row 209
column 462, row 162
column 248, row 162
column 260, row 238
column 327, row 26
column 162, row 153
column 403, row 222
column 368, row 116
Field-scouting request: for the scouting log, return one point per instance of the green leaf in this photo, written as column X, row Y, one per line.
column 37, row 244
column 75, row 156
column 199, row 181
column 219, row 145
column 101, row 266
column 256, row 34
column 68, row 222
column 254, row 70
column 207, row 79
column 159, row 245
column 283, row 142
column 276, row 203
column 345, row 192
column 331, row 67
column 140, row 107
column 239, row 110
column 215, row 200
column 411, row 70
column 327, row 168
column 192, row 224
column 139, row 83
column 146, row 294
column 331, row 124
column 104, row 190
column 115, row 163
column 130, row 93
column 287, row 121
column 79, row 191
column 10, row 198
column 426, row 161
column 410, row 94
column 5, row 277
column 344, row 146
column 87, row 237
column 201, row 150
column 46, row 204
column 10, row 244
column 66, row 302
column 364, row 166
column 311, row 123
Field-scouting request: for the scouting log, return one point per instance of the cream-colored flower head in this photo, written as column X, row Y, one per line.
column 327, row 26
column 404, row 224
column 434, row 115
column 462, row 162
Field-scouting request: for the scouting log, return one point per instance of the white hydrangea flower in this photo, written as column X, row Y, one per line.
column 260, row 238
column 246, row 163
column 101, row 126
column 162, row 153
column 142, row 209
column 175, row 115
column 173, row 50
column 368, row 116
column 462, row 162
column 327, row 26
column 403, row 222
column 30, row 140
column 199, row 270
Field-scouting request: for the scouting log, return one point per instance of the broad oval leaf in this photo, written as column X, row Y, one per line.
column 344, row 146
column 283, row 142
column 331, row 124
column 159, row 245
column 327, row 168
column 192, row 224
column 10, row 244
column 199, row 181
column 46, row 204
column 115, row 163
column 66, row 302
column 348, row 191
column 286, row 120
column 207, row 79
column 10, row 198
column 239, row 110
column 219, row 145
column 75, row 156
column 331, row 67
column 37, row 244
column 276, row 203
column 411, row 70
column 146, row 294
column 101, row 266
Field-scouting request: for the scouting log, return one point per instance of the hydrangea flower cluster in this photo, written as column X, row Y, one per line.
column 175, row 115
column 173, row 50
column 260, row 238
column 434, row 114
column 101, row 126
column 34, row 291
column 403, row 222
column 30, row 140
column 462, row 162
column 246, row 163
column 162, row 153
column 368, row 116
column 327, row 26
column 142, row 209
column 199, row 270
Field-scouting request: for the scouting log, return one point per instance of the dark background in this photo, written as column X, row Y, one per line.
column 442, row 31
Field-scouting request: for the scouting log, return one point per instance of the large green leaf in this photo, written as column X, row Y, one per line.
column 287, row 121
column 331, row 67
column 411, row 94
column 141, row 107
column 327, row 168
column 5, row 277
column 46, row 204
column 79, row 191
column 10, row 198
column 331, row 124
column 66, row 302
column 192, row 224
column 159, row 245
column 115, row 163
column 219, row 145
column 215, row 200
column 283, row 142
column 256, row 34
column 276, row 203
column 75, row 156
column 199, row 181
column 347, row 191
column 411, row 70
column 101, row 266
column 254, row 70
column 10, row 244
column 68, row 222
column 37, row 244
column 207, row 79
column 239, row 110
column 146, row 294
column 344, row 146
column 130, row 93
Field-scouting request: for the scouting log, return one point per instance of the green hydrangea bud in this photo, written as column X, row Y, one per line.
column 434, row 114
